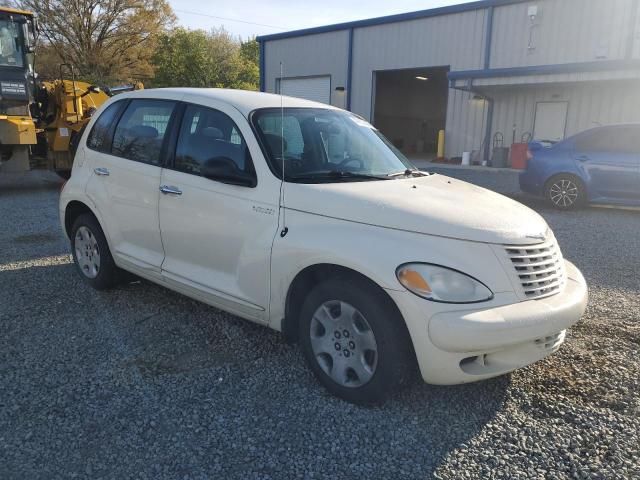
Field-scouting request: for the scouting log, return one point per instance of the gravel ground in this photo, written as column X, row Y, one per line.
column 144, row 383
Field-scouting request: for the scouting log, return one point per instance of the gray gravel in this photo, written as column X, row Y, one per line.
column 144, row 383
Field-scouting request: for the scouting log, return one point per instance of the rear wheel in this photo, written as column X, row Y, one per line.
column 354, row 341
column 565, row 192
column 91, row 254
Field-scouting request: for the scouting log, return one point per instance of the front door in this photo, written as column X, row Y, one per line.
column 610, row 156
column 217, row 237
column 126, row 179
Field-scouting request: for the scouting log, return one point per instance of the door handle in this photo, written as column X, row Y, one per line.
column 170, row 190
column 582, row 158
column 103, row 172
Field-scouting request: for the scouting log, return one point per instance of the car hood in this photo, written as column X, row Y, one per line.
column 432, row 205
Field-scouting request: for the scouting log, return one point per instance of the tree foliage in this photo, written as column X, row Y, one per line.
column 196, row 58
column 105, row 40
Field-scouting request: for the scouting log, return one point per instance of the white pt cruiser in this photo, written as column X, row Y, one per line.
column 304, row 218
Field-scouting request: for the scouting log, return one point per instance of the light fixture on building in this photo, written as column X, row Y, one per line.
column 424, row 79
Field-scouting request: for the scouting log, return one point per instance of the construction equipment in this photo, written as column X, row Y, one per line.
column 61, row 111
column 40, row 122
column 17, row 83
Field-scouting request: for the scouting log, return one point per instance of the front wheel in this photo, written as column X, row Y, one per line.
column 355, row 341
column 565, row 192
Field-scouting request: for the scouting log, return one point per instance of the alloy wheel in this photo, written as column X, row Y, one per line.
column 343, row 343
column 564, row 193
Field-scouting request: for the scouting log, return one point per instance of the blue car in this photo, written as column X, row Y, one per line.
column 601, row 165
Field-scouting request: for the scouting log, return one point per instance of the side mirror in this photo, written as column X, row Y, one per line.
column 225, row 170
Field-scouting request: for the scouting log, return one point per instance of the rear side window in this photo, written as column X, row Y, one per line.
column 207, row 134
column 624, row 140
column 99, row 138
column 141, row 130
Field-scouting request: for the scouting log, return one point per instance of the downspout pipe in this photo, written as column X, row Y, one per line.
column 262, row 66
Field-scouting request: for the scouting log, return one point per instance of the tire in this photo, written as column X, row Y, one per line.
column 91, row 254
column 565, row 192
column 355, row 341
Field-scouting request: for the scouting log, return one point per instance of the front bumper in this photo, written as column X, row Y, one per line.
column 460, row 346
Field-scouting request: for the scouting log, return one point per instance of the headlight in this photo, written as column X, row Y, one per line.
column 441, row 284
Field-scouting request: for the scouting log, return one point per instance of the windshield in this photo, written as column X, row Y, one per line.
column 321, row 145
column 10, row 44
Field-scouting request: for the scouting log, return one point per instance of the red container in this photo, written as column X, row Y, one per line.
column 519, row 155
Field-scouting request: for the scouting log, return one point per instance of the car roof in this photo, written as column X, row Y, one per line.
column 243, row 100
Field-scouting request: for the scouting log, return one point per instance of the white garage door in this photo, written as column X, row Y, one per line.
column 317, row 89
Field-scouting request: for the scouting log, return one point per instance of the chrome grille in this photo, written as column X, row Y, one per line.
column 539, row 268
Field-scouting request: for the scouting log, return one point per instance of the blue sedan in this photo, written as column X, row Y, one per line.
column 601, row 165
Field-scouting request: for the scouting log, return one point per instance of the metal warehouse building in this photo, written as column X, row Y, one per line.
column 544, row 69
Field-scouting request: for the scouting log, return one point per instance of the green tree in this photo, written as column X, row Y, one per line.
column 196, row 58
column 105, row 40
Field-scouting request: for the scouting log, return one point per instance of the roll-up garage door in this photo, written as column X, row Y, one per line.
column 317, row 89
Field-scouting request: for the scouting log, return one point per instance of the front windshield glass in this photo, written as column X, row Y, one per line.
column 321, row 145
column 10, row 44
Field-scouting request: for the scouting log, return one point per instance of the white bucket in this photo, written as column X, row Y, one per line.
column 466, row 158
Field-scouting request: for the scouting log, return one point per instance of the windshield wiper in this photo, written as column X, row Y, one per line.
column 338, row 174
column 408, row 172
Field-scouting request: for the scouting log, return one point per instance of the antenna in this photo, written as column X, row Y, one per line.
column 285, row 229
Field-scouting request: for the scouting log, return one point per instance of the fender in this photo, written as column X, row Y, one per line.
column 374, row 252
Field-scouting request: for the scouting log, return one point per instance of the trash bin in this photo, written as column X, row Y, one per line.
column 519, row 155
column 500, row 155
column 519, row 151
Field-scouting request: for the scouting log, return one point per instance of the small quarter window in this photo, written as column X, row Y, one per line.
column 141, row 130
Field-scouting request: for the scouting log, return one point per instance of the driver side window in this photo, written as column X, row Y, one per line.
column 207, row 134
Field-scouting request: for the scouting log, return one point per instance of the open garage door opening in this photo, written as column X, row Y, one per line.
column 410, row 107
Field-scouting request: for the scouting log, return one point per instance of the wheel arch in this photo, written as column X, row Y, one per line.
column 565, row 174
column 312, row 275
column 72, row 211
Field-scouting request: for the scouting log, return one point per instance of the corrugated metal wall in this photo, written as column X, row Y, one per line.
column 313, row 55
column 564, row 31
column 456, row 41
column 590, row 104
column 450, row 40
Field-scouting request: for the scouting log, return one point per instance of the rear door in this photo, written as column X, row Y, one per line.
column 610, row 157
column 126, row 180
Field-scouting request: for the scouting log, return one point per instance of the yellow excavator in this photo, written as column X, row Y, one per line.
column 40, row 121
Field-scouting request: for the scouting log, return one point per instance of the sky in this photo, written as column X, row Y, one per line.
column 273, row 16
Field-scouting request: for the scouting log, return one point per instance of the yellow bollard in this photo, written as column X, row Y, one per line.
column 441, row 144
